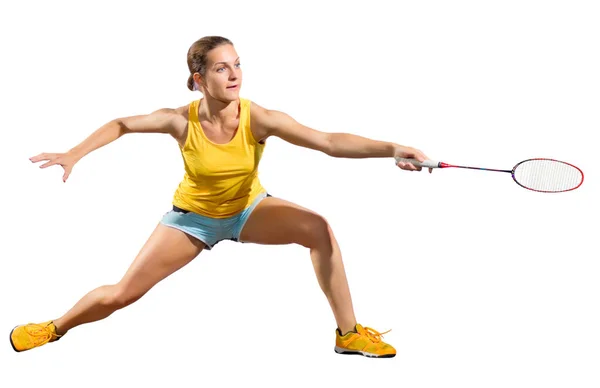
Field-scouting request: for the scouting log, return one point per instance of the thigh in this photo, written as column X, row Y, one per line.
column 206, row 229
column 166, row 250
column 277, row 221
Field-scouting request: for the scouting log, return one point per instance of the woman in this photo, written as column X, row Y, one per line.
column 221, row 138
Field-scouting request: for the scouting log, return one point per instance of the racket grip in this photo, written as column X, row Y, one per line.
column 416, row 163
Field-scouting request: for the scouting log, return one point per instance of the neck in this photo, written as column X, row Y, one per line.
column 217, row 111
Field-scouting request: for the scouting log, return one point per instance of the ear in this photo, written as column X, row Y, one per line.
column 198, row 79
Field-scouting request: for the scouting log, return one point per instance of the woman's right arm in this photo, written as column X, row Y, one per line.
column 161, row 121
column 171, row 121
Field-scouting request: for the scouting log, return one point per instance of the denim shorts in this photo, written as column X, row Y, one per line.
column 210, row 230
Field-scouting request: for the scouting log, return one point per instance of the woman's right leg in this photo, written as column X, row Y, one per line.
column 167, row 250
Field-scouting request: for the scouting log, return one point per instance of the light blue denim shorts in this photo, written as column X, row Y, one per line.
column 210, row 230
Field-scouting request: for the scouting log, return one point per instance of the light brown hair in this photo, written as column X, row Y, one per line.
column 197, row 55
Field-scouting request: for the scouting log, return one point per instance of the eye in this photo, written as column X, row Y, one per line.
column 238, row 65
column 220, row 69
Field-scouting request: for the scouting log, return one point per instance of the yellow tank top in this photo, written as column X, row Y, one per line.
column 220, row 180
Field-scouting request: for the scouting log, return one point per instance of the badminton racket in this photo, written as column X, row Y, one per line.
column 537, row 174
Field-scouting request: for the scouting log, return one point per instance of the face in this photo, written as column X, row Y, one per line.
column 223, row 78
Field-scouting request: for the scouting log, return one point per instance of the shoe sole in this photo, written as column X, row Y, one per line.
column 339, row 350
column 10, row 339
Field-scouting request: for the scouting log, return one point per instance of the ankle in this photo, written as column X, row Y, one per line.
column 58, row 330
column 347, row 329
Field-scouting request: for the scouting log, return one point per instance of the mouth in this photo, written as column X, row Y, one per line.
column 232, row 87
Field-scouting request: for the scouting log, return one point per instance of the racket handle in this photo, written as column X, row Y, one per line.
column 416, row 163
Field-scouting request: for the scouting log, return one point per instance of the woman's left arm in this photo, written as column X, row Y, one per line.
column 340, row 145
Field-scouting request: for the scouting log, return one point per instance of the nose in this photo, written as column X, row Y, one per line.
column 233, row 75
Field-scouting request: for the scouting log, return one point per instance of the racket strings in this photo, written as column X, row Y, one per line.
column 547, row 175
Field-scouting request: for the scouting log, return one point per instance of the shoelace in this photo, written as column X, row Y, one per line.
column 42, row 334
column 374, row 335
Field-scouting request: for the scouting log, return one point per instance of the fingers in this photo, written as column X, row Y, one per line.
column 408, row 166
column 417, row 154
column 48, row 164
column 51, row 159
column 412, row 153
column 68, row 170
column 40, row 157
column 420, row 156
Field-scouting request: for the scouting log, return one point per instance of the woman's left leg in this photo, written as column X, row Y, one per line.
column 275, row 221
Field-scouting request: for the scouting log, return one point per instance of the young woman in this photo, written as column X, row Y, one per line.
column 222, row 137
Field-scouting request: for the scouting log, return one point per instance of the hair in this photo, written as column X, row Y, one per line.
column 197, row 55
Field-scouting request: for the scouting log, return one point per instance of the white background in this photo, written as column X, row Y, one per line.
column 483, row 283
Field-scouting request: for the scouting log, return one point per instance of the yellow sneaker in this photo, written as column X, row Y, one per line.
column 32, row 335
column 364, row 341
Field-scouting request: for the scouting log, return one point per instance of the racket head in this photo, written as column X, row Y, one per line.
column 547, row 175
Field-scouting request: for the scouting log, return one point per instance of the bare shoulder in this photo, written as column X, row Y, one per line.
column 257, row 112
column 183, row 111
column 172, row 121
column 175, row 113
column 179, row 118
column 264, row 122
column 268, row 122
column 258, row 121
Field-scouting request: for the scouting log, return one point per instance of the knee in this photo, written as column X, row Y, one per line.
column 317, row 232
column 119, row 296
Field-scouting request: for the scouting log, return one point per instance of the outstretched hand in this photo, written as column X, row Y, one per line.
column 66, row 161
column 410, row 153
